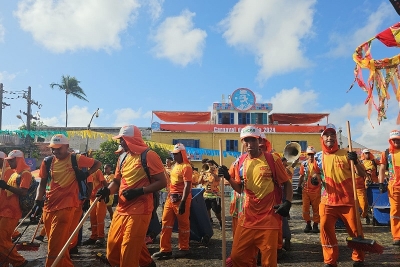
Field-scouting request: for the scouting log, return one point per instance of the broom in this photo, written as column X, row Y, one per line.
column 359, row 242
column 24, row 246
column 74, row 233
column 222, row 208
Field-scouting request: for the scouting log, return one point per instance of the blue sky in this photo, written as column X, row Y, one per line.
column 135, row 56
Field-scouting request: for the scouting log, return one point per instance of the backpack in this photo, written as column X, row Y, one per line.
column 82, row 184
column 143, row 160
column 387, row 158
column 27, row 202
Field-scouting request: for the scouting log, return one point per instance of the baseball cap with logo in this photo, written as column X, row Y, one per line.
column 365, row 150
column 395, row 134
column 129, row 131
column 58, row 140
column 15, row 154
column 329, row 128
column 250, row 131
column 2, row 155
column 178, row 148
column 310, row 150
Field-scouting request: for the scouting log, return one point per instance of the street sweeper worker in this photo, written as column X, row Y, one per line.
column 310, row 186
column 337, row 198
column 258, row 224
column 126, row 238
column 177, row 206
column 10, row 211
column 62, row 196
column 390, row 161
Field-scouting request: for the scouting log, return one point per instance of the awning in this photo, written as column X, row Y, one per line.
column 297, row 118
column 183, row 116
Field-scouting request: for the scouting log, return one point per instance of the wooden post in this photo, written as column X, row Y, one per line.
column 222, row 208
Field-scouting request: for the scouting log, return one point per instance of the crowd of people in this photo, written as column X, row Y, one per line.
column 260, row 202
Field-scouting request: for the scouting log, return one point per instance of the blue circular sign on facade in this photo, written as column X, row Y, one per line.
column 243, row 99
column 155, row 126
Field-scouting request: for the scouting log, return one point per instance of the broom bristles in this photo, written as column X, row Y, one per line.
column 369, row 245
column 28, row 246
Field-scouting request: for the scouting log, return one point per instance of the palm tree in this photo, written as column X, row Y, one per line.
column 70, row 85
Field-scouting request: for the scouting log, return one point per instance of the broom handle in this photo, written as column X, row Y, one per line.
column 22, row 221
column 36, row 230
column 222, row 182
column 3, row 169
column 74, row 232
column 353, row 178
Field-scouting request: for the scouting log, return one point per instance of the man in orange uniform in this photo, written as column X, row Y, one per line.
column 62, row 196
column 310, row 184
column 260, row 221
column 371, row 166
column 177, row 206
column 10, row 211
column 126, row 238
column 109, row 179
column 390, row 162
column 164, row 191
column 98, row 214
column 337, row 198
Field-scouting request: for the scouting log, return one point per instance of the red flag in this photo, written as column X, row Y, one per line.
column 390, row 37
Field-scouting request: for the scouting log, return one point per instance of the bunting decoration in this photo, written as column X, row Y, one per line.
column 382, row 72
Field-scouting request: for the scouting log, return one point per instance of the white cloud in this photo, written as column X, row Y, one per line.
column 77, row 117
column 126, row 116
column 5, row 76
column 272, row 31
column 178, row 41
column 155, row 8
column 68, row 25
column 346, row 44
column 293, row 100
column 2, row 33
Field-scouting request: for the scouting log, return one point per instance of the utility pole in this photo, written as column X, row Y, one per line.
column 29, row 117
column 2, row 104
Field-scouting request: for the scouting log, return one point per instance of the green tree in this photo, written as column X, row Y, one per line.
column 70, row 85
column 106, row 153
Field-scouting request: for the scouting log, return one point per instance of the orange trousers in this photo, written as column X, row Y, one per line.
column 97, row 217
column 58, row 227
column 125, row 244
column 168, row 219
column 329, row 216
column 394, row 200
column 7, row 226
column 234, row 225
column 74, row 223
column 363, row 201
column 311, row 199
column 247, row 241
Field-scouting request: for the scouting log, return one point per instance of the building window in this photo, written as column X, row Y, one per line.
column 303, row 144
column 259, row 118
column 232, row 145
column 187, row 142
column 226, row 118
column 244, row 118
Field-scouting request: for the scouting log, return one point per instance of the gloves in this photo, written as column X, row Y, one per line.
column 4, row 185
column 223, row 171
column 314, row 181
column 86, row 205
column 382, row 188
column 299, row 190
column 132, row 193
column 283, row 209
column 182, row 205
column 353, row 156
column 81, row 175
column 38, row 207
column 103, row 193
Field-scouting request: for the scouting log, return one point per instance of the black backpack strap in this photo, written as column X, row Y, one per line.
column 122, row 158
column 143, row 160
column 74, row 163
column 47, row 161
column 387, row 158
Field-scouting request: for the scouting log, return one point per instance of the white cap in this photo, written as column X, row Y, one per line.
column 310, row 150
column 178, row 148
column 395, row 134
column 129, row 131
column 366, row 150
column 329, row 127
column 15, row 154
column 58, row 140
column 2, row 155
column 250, row 131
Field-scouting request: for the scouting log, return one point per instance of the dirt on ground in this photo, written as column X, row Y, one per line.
column 305, row 249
